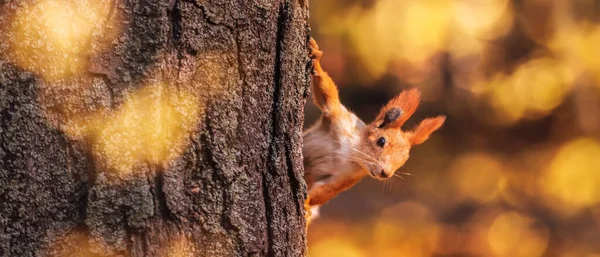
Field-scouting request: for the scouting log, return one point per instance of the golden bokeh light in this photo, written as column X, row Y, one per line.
column 334, row 238
column 336, row 247
column 53, row 38
column 517, row 68
column 408, row 30
column 522, row 176
column 517, row 80
column 153, row 125
column 413, row 32
column 573, row 178
column 338, row 22
column 478, row 177
column 532, row 91
column 74, row 106
column 405, row 229
column 578, row 47
column 483, row 19
column 515, row 235
column 476, row 23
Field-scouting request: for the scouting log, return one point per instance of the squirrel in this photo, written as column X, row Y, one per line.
column 340, row 149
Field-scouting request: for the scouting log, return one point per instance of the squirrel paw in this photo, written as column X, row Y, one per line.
column 315, row 53
column 307, row 212
column 315, row 56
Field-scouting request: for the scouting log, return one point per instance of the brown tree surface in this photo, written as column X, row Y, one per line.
column 152, row 127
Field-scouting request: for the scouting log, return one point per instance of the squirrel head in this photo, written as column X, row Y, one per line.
column 384, row 146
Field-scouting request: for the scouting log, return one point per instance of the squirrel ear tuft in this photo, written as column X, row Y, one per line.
column 399, row 109
column 425, row 128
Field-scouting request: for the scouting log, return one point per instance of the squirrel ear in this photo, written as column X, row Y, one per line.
column 425, row 128
column 391, row 116
column 398, row 110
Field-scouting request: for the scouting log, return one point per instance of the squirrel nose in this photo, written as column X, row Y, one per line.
column 383, row 174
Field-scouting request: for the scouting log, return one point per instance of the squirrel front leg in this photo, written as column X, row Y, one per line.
column 307, row 211
column 318, row 194
column 323, row 191
column 325, row 93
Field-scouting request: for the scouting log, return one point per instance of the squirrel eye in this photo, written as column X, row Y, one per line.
column 381, row 142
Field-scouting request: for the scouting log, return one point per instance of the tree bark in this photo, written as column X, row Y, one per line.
column 233, row 188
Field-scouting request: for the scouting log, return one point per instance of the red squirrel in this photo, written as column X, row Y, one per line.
column 340, row 149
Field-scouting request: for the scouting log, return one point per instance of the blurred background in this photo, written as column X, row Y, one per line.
column 515, row 171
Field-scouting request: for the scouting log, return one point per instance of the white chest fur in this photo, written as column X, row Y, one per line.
column 328, row 148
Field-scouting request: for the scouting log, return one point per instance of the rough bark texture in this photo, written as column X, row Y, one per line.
column 236, row 189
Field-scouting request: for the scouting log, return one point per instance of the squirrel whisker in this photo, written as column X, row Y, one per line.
column 398, row 176
column 359, row 151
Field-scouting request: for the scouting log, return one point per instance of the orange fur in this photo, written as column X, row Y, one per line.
column 325, row 93
column 408, row 101
column 340, row 149
column 425, row 128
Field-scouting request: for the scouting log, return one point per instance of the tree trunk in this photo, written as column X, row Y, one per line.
column 170, row 128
